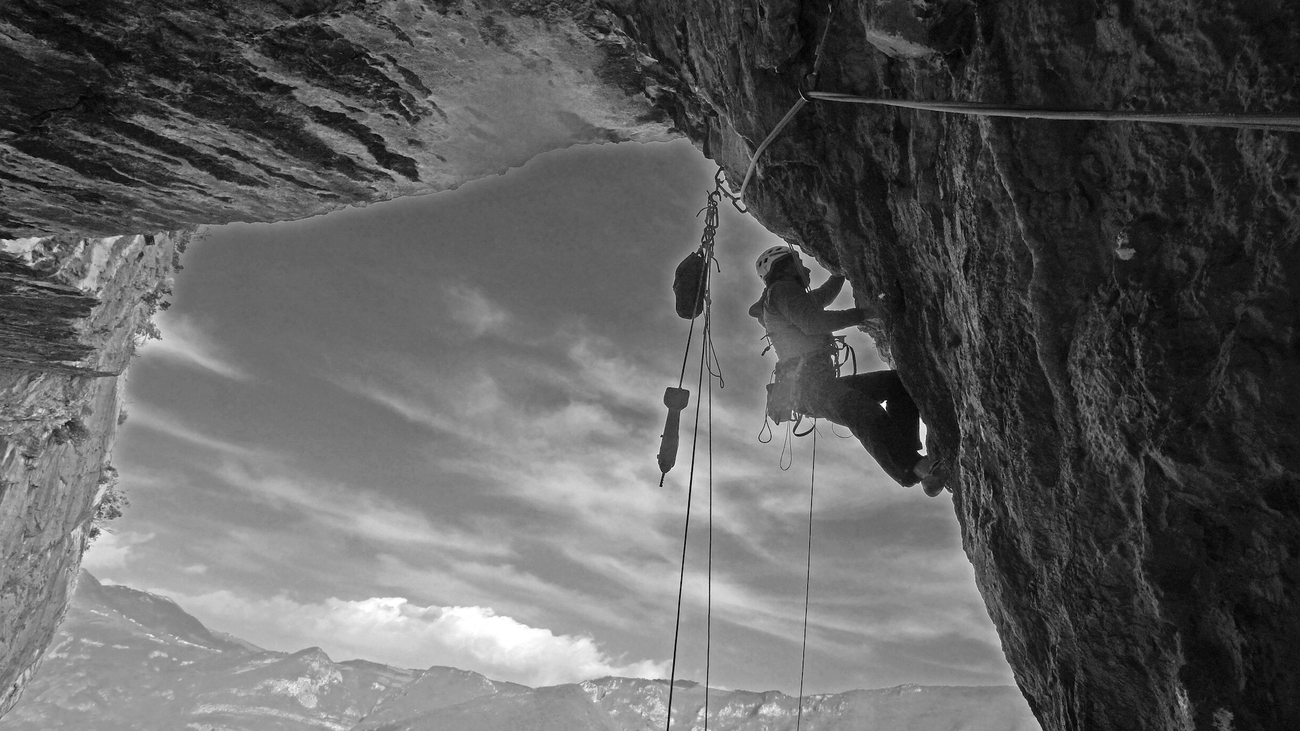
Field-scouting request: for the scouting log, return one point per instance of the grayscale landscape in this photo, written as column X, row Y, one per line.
column 402, row 404
column 129, row 660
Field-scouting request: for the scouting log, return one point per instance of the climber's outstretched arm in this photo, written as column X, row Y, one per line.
column 830, row 289
column 801, row 309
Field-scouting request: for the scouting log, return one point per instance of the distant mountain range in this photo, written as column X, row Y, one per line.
column 127, row 659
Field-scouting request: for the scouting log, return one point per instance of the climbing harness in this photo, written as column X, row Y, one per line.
column 808, row 93
column 783, row 390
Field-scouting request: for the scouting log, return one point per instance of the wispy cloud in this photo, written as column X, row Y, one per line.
column 511, row 589
column 411, row 409
column 141, row 416
column 184, row 342
column 398, row 632
column 589, row 468
column 580, row 472
column 471, row 308
column 355, row 512
column 113, row 550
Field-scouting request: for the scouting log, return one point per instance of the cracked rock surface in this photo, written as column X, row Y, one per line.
column 126, row 116
column 70, row 310
column 1099, row 321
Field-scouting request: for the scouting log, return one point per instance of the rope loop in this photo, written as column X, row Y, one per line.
column 787, row 448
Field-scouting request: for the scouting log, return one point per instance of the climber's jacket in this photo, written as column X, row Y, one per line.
column 797, row 321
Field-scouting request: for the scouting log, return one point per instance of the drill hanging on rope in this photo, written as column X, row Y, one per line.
column 691, row 294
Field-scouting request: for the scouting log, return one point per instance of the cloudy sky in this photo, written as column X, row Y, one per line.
column 424, row 433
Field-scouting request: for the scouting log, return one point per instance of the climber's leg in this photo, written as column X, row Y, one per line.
column 892, row 446
column 903, row 416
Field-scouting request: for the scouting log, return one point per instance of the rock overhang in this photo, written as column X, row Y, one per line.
column 138, row 117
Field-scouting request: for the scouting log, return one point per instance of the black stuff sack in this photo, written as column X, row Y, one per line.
column 688, row 285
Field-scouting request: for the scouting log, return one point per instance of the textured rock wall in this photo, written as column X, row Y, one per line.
column 60, row 395
column 124, row 116
column 1099, row 321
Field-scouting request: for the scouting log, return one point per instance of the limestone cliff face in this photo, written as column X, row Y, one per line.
column 69, row 312
column 142, row 115
column 1099, row 321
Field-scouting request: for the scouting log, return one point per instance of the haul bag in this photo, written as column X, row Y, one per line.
column 688, row 285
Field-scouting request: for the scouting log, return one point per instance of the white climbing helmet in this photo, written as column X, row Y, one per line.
column 770, row 257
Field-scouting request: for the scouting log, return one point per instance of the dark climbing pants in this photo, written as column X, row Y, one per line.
column 890, row 433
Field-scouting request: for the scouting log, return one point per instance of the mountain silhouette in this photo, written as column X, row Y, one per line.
column 127, row 659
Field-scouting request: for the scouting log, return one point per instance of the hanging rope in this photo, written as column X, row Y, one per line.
column 686, row 531
column 710, row 364
column 708, row 605
column 807, row 587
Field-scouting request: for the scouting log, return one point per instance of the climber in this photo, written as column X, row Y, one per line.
column 800, row 328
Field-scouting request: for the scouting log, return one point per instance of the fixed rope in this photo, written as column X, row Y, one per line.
column 1235, row 120
column 1239, row 120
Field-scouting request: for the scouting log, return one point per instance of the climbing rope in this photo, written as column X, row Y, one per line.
column 710, row 364
column 807, row 587
column 708, row 603
column 1239, row 120
column 686, row 531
